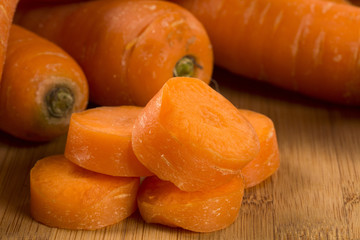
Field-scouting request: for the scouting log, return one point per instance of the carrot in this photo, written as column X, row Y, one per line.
column 64, row 195
column 309, row 46
column 162, row 202
column 267, row 161
column 99, row 139
column 41, row 86
column 192, row 136
column 7, row 10
column 128, row 49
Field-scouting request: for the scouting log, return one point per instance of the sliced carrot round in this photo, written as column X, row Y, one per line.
column 99, row 139
column 162, row 202
column 192, row 136
column 268, row 160
column 64, row 195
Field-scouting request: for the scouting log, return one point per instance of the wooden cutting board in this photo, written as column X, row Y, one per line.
column 315, row 194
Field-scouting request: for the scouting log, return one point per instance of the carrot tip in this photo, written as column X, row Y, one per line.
column 185, row 67
column 59, row 101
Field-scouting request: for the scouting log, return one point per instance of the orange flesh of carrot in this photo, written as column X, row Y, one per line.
column 162, row 202
column 267, row 161
column 128, row 49
column 34, row 69
column 192, row 136
column 64, row 195
column 99, row 139
column 7, row 10
column 302, row 45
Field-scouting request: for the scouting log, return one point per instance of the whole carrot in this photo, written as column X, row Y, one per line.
column 41, row 86
column 7, row 9
column 128, row 49
column 309, row 46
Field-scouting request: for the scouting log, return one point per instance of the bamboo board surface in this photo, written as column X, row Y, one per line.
column 315, row 194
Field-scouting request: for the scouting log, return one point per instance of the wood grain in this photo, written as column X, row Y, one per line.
column 314, row 195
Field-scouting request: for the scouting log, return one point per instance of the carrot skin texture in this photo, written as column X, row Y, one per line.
column 192, row 136
column 267, row 161
column 125, row 63
column 34, row 67
column 302, row 45
column 162, row 202
column 99, row 140
column 7, row 10
column 64, row 195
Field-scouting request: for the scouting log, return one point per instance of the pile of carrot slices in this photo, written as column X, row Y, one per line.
column 196, row 150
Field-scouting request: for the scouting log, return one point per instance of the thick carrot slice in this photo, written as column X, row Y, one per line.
column 192, row 136
column 128, row 49
column 64, row 195
column 41, row 86
column 162, row 202
column 268, row 160
column 7, row 10
column 308, row 46
column 99, row 139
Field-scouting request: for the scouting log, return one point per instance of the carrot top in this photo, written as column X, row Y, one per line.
column 59, row 101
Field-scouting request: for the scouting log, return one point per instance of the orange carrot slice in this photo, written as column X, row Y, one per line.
column 128, row 49
column 99, row 139
column 41, row 87
column 162, row 202
column 64, row 195
column 192, row 136
column 268, row 160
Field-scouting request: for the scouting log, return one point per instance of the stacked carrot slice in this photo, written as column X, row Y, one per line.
column 197, row 151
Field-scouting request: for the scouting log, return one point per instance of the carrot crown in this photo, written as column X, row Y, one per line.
column 59, row 101
column 185, row 67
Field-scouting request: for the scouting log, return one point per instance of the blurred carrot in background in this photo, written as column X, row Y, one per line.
column 308, row 46
column 127, row 49
column 7, row 9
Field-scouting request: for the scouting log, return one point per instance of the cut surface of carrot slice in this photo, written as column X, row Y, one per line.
column 162, row 202
column 192, row 136
column 268, row 159
column 99, row 140
column 64, row 195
